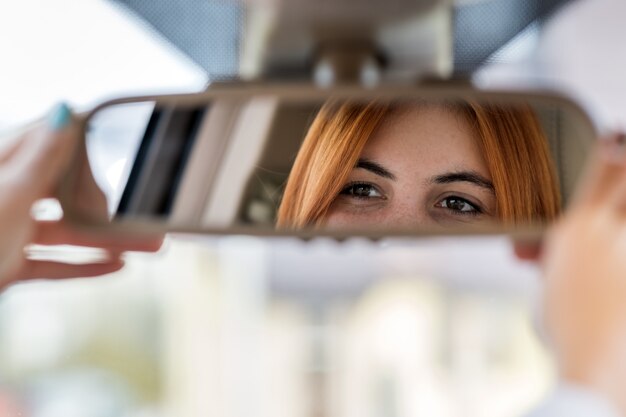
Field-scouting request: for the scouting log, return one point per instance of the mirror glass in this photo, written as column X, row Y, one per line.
column 264, row 162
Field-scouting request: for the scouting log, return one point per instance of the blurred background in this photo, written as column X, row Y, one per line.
column 239, row 326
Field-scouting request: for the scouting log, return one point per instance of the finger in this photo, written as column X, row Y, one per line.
column 60, row 233
column 12, row 140
column 87, row 196
column 9, row 150
column 527, row 251
column 603, row 173
column 57, row 270
column 43, row 156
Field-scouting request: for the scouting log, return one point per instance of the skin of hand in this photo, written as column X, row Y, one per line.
column 584, row 265
column 31, row 169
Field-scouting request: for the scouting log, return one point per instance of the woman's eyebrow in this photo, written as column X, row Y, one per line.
column 375, row 168
column 463, row 176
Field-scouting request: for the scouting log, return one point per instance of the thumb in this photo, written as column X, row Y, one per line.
column 44, row 155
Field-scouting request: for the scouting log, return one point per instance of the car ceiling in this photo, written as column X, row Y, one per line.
column 208, row 31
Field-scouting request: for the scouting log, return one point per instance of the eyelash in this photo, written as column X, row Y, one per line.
column 350, row 186
column 476, row 208
column 475, row 212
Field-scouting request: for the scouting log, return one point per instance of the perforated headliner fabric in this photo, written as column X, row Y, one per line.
column 208, row 31
column 480, row 29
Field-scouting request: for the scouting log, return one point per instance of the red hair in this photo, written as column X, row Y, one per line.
column 511, row 140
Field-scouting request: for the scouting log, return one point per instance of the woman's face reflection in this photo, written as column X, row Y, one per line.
column 422, row 167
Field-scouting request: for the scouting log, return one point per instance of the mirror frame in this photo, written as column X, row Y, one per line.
column 301, row 92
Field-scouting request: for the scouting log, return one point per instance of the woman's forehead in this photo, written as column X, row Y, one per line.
column 426, row 135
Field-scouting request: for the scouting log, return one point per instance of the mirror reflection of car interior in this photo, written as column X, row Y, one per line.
column 227, row 162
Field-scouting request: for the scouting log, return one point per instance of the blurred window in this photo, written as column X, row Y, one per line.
column 82, row 52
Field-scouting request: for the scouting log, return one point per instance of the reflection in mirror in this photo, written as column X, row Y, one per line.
column 113, row 138
column 338, row 164
column 419, row 164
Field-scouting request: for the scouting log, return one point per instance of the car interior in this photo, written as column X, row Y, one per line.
column 226, row 163
column 201, row 111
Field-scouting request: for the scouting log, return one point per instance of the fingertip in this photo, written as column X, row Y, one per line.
column 44, row 154
column 114, row 256
column 59, row 117
column 603, row 172
column 117, row 264
column 527, row 251
column 155, row 245
column 143, row 244
column 35, row 269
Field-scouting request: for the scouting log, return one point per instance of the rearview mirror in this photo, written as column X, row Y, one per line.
column 346, row 161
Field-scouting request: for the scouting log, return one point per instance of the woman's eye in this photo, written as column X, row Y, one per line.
column 459, row 205
column 361, row 190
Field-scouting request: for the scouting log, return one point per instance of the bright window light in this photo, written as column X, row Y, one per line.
column 81, row 52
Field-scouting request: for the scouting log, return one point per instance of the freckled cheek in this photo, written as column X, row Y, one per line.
column 345, row 219
column 408, row 213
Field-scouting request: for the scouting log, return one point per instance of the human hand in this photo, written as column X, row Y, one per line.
column 30, row 170
column 584, row 265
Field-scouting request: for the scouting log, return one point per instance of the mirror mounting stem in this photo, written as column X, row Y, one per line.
column 347, row 63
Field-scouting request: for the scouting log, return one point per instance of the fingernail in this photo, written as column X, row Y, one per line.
column 59, row 117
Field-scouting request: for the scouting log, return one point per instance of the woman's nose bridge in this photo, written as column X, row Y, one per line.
column 410, row 212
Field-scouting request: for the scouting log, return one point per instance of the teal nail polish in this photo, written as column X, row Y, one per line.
column 59, row 117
